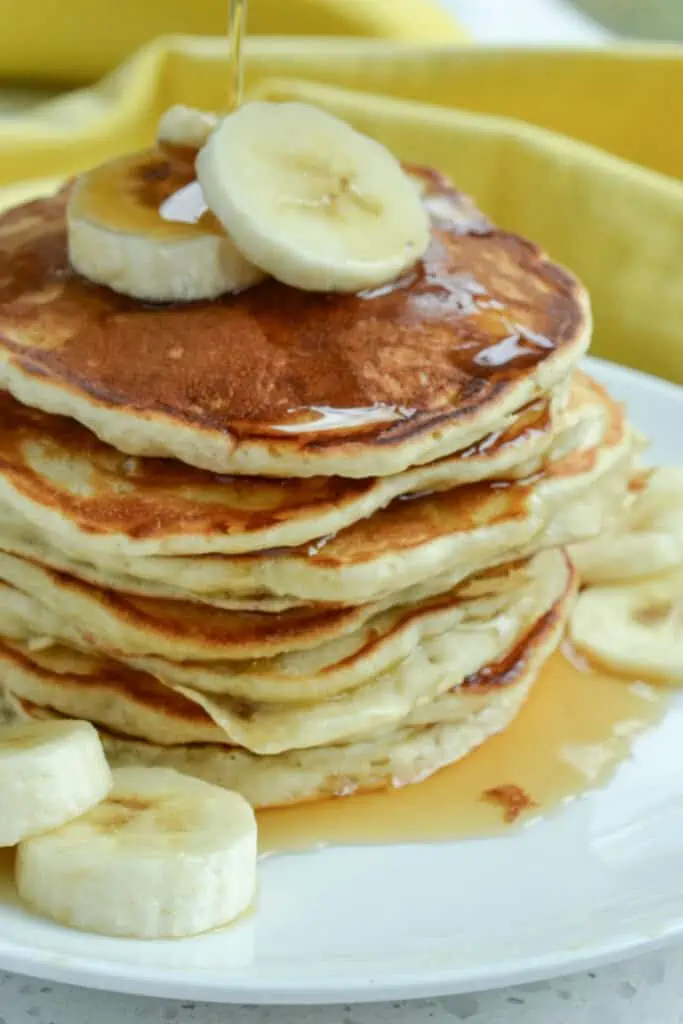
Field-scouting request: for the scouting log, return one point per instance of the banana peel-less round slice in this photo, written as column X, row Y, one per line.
column 313, row 202
column 646, row 539
column 49, row 774
column 164, row 855
column 157, row 248
column 635, row 629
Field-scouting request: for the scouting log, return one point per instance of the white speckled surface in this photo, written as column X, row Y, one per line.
column 644, row 991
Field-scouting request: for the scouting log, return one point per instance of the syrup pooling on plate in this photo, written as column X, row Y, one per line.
column 577, row 726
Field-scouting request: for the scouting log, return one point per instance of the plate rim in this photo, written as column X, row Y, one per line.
column 210, row 986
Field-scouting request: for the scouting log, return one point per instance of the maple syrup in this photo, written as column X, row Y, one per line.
column 155, row 192
column 578, row 724
column 237, row 17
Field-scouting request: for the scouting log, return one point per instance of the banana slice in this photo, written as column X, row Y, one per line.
column 49, row 774
column 645, row 540
column 163, row 856
column 315, row 203
column 140, row 225
column 185, row 126
column 635, row 629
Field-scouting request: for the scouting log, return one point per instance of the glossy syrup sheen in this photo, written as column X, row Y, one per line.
column 578, row 724
column 155, row 192
column 106, row 491
column 237, row 18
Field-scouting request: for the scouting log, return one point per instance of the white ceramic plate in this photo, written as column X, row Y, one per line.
column 597, row 882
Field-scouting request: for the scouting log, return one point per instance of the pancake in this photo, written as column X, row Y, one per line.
column 462, row 719
column 65, row 482
column 429, row 542
column 502, row 597
column 382, row 700
column 451, row 534
column 492, row 607
column 17, row 537
column 101, row 690
column 73, row 610
column 388, row 699
column 281, row 382
column 8, row 713
column 582, row 422
column 428, row 545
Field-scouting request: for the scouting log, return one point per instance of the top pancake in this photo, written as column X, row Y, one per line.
column 281, row 382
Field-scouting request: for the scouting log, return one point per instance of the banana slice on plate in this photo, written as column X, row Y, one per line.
column 646, row 539
column 635, row 629
column 141, row 226
column 165, row 855
column 49, row 774
column 311, row 201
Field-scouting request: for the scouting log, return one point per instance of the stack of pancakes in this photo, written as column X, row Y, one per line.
column 296, row 544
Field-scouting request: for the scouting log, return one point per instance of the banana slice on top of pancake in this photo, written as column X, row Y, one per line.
column 315, row 203
column 635, row 628
column 165, row 855
column 140, row 224
column 283, row 189
column 186, row 127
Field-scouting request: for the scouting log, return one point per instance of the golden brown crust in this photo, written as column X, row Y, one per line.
column 151, row 498
column 483, row 309
column 139, row 687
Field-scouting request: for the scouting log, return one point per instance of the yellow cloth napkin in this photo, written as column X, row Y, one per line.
column 616, row 220
column 77, row 41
